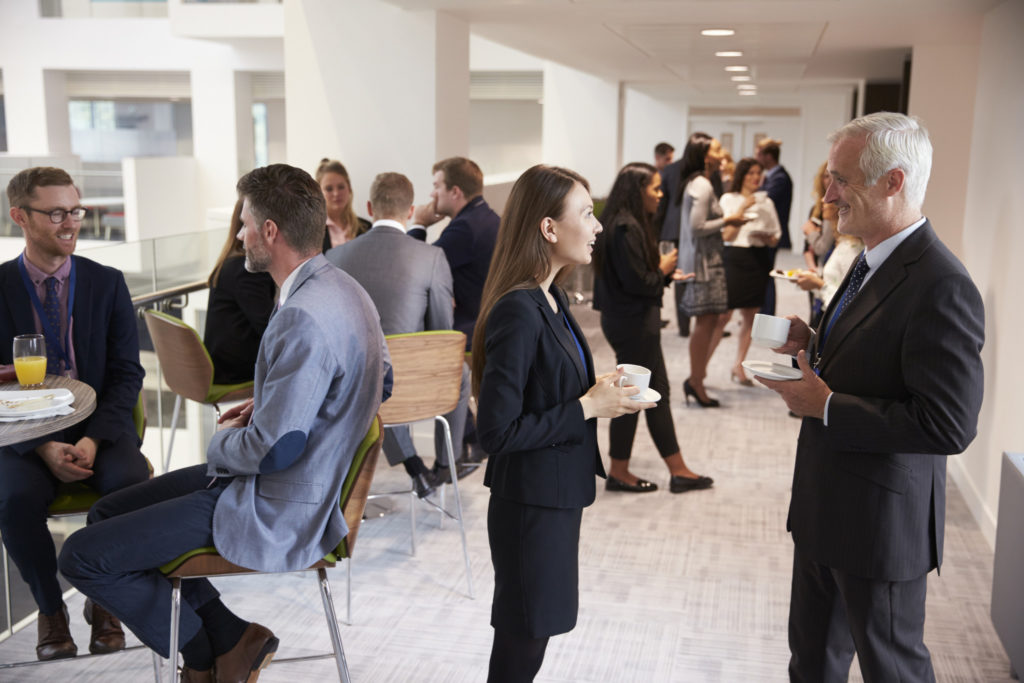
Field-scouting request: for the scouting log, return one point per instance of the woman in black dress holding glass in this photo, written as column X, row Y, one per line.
column 537, row 396
column 629, row 280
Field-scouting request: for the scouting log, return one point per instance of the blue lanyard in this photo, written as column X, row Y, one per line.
column 52, row 336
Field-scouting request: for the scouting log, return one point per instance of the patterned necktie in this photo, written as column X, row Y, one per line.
column 852, row 287
column 51, row 309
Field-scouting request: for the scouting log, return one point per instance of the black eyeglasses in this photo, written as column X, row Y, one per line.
column 58, row 215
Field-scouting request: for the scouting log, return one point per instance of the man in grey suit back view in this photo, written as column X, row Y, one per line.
column 410, row 283
column 268, row 497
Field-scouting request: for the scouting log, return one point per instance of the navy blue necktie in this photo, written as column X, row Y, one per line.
column 852, row 287
column 51, row 309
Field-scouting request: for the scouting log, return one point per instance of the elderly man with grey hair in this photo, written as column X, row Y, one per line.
column 891, row 384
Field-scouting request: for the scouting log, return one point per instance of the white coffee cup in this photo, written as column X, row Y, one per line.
column 769, row 331
column 634, row 376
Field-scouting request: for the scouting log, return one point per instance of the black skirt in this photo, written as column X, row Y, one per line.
column 746, row 275
column 535, row 553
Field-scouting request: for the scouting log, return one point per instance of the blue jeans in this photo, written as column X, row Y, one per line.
column 134, row 531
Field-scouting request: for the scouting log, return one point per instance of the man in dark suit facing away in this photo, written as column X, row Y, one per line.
column 891, row 384
column 779, row 186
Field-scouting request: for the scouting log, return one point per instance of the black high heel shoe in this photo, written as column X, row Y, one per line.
column 689, row 391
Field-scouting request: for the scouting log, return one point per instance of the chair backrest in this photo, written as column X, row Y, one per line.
column 427, row 369
column 184, row 361
column 356, row 488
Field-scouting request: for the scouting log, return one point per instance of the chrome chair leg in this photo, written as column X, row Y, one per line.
column 458, row 500
column 332, row 626
column 172, row 655
column 348, row 591
column 174, row 427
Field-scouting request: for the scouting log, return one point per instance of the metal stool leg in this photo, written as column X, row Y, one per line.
column 458, row 501
column 174, row 427
column 332, row 626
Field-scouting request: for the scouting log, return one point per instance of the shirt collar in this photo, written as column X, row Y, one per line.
column 38, row 277
column 877, row 255
column 389, row 223
column 289, row 282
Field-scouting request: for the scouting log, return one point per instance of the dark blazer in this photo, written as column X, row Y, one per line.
column 468, row 242
column 238, row 311
column 779, row 187
column 904, row 363
column 105, row 337
column 670, row 207
column 364, row 225
column 626, row 284
column 530, row 421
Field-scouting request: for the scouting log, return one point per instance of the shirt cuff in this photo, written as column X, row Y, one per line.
column 827, row 401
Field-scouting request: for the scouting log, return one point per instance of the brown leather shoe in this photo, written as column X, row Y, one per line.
column 243, row 662
column 55, row 637
column 192, row 676
column 107, row 635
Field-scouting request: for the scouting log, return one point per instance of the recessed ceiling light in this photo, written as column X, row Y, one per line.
column 718, row 32
column 739, row 79
column 746, row 86
column 729, row 53
column 747, row 92
column 736, row 67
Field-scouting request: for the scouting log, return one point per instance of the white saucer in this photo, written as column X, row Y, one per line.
column 763, row 368
column 648, row 396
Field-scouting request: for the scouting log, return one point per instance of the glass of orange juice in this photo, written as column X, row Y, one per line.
column 30, row 359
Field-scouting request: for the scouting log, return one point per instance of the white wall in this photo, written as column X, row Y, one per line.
column 381, row 113
column 648, row 121
column 505, row 135
column 581, row 114
column 993, row 243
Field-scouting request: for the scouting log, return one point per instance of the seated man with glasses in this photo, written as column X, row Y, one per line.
column 85, row 314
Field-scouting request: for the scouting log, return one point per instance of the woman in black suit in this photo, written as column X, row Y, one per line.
column 533, row 377
column 238, row 310
column 342, row 222
column 629, row 280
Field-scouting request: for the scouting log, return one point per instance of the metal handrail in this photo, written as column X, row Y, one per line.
column 153, row 297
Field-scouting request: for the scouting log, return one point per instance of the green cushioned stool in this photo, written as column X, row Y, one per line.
column 207, row 562
column 187, row 369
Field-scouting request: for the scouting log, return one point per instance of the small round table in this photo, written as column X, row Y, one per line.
column 23, row 430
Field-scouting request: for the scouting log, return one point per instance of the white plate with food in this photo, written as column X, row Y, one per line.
column 788, row 275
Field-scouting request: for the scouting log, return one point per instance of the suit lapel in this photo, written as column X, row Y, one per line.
column 875, row 291
column 81, row 315
column 557, row 326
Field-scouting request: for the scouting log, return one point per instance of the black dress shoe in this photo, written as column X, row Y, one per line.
column 684, row 484
column 54, row 636
column 641, row 485
column 422, row 485
column 443, row 475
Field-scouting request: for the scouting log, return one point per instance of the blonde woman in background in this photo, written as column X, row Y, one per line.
column 342, row 222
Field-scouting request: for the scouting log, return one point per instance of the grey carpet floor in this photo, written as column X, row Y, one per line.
column 691, row 587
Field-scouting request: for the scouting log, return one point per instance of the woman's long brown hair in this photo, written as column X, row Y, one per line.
column 522, row 257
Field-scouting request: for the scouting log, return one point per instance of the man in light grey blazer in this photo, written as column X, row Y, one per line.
column 410, row 283
column 268, row 497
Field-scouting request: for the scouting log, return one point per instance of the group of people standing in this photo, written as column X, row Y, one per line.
column 884, row 398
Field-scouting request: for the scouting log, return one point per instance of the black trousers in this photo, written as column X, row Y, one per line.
column 833, row 614
column 637, row 340
column 27, row 487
